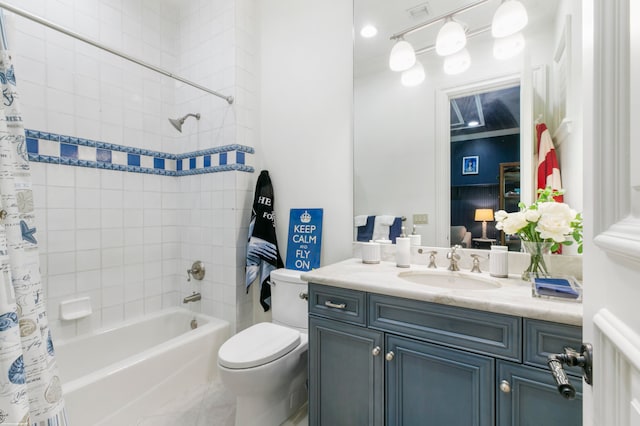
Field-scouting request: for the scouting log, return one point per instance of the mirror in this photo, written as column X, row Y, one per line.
column 402, row 164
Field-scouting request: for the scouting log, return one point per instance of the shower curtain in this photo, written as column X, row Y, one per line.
column 30, row 390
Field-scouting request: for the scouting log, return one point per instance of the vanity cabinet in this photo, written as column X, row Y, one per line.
column 377, row 359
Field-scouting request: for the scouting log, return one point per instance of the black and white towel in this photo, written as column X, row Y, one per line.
column 262, row 249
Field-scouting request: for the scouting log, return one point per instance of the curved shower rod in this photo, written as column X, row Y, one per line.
column 75, row 35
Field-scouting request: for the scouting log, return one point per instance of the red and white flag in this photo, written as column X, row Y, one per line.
column 548, row 168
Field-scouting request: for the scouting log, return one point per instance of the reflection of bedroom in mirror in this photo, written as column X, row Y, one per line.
column 485, row 149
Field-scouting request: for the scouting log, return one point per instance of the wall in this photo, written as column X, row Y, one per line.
column 306, row 114
column 126, row 238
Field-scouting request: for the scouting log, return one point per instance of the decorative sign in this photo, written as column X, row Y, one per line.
column 305, row 239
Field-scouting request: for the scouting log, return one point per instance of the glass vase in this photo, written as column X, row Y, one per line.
column 537, row 264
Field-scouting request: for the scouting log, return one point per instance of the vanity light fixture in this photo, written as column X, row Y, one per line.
column 451, row 38
column 508, row 47
column 368, row 31
column 413, row 76
column 510, row 17
column 402, row 56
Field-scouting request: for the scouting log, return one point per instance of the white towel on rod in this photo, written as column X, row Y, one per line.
column 360, row 220
column 381, row 227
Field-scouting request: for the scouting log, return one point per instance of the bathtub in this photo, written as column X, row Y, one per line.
column 116, row 375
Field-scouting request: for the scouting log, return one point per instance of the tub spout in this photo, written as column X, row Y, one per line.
column 192, row 298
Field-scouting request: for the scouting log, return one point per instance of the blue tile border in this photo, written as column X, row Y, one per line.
column 70, row 150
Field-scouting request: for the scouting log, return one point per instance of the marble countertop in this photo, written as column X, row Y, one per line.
column 512, row 297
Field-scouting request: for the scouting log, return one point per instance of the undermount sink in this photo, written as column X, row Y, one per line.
column 451, row 280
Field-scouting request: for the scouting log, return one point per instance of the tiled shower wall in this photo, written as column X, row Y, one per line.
column 126, row 239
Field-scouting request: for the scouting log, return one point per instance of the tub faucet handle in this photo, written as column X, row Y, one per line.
column 196, row 271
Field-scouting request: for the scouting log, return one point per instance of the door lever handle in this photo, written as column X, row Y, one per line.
column 571, row 358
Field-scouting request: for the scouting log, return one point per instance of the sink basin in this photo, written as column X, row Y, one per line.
column 450, row 280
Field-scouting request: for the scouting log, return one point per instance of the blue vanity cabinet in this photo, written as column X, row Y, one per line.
column 376, row 359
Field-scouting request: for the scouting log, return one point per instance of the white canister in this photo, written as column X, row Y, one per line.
column 370, row 252
column 416, row 239
column 403, row 252
column 498, row 262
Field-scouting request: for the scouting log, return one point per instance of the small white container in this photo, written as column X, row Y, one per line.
column 371, row 252
column 498, row 262
column 403, row 252
column 416, row 239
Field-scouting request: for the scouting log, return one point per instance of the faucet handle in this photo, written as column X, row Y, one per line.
column 476, row 263
column 432, row 258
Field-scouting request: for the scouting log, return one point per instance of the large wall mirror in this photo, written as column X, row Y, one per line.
column 408, row 139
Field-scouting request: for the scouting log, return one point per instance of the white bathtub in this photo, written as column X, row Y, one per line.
column 115, row 375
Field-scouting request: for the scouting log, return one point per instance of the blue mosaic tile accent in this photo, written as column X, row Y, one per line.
column 68, row 151
column 103, row 155
column 32, row 145
column 133, row 160
column 111, row 156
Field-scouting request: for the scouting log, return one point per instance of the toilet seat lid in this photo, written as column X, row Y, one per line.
column 257, row 345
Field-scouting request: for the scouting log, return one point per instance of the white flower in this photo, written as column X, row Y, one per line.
column 500, row 215
column 514, row 222
column 555, row 221
column 532, row 215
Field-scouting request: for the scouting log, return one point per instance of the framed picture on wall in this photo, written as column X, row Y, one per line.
column 470, row 165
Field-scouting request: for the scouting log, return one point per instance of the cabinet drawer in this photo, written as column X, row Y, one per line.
column 543, row 338
column 337, row 303
column 478, row 331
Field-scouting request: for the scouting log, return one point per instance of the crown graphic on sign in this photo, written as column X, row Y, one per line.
column 305, row 217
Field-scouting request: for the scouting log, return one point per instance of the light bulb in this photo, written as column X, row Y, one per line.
column 413, row 76
column 368, row 31
column 457, row 63
column 402, row 56
column 451, row 38
column 510, row 17
column 508, row 47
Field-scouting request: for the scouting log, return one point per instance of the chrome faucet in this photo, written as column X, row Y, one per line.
column 453, row 257
column 192, row 298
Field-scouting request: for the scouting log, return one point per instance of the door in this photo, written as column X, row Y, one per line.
column 531, row 398
column 433, row 385
column 611, row 78
column 345, row 374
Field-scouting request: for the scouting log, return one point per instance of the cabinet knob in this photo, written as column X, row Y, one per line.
column 505, row 386
column 376, row 351
column 389, row 356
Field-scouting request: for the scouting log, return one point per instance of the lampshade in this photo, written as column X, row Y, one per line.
column 451, row 38
column 402, row 56
column 510, row 17
column 413, row 76
column 508, row 47
column 484, row 214
column 457, row 63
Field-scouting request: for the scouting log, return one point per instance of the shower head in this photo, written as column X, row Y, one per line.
column 178, row 122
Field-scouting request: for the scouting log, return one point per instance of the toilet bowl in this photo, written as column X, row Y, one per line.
column 265, row 365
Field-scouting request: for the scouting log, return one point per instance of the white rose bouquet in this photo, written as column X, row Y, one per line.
column 544, row 221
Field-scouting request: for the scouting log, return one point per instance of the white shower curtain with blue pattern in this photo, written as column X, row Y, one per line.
column 30, row 390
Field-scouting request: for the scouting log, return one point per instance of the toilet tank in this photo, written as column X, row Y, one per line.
column 287, row 307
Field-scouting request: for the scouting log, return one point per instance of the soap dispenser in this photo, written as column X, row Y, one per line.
column 416, row 239
column 403, row 250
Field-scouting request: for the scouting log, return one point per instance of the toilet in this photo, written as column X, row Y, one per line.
column 265, row 365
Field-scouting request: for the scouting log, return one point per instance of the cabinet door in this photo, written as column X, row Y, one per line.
column 345, row 374
column 433, row 385
column 532, row 398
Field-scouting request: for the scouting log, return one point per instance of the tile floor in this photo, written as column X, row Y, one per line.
column 209, row 405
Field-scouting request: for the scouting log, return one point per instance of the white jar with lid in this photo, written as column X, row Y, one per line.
column 498, row 262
